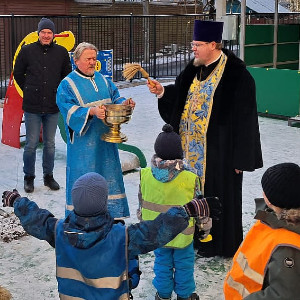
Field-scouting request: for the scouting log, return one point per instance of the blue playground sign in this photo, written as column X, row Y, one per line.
column 104, row 63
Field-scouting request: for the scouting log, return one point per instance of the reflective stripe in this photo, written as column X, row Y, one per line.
column 66, row 297
column 161, row 208
column 124, row 297
column 69, row 207
column 248, row 271
column 237, row 286
column 188, row 230
column 164, row 208
column 117, row 196
column 106, row 282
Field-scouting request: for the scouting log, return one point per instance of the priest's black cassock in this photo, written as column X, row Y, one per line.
column 232, row 141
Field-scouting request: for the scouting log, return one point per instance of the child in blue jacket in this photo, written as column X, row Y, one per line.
column 92, row 252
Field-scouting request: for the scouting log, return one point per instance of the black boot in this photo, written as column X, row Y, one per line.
column 159, row 298
column 50, row 182
column 28, row 183
column 194, row 296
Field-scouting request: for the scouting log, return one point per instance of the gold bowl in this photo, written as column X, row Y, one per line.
column 115, row 115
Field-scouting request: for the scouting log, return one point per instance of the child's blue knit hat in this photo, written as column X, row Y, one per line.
column 89, row 195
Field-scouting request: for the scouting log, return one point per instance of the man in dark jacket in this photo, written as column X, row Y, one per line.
column 38, row 70
column 212, row 105
column 92, row 252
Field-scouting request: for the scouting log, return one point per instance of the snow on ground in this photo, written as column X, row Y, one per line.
column 27, row 265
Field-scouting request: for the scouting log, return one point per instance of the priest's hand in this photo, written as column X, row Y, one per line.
column 155, row 87
column 130, row 102
column 98, row 111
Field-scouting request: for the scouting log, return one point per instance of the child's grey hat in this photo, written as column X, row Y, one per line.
column 89, row 195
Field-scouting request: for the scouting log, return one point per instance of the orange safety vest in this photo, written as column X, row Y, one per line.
column 251, row 259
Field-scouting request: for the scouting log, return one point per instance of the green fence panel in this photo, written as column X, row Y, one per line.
column 287, row 52
column 292, row 66
column 288, row 33
column 259, row 55
column 259, row 34
column 277, row 91
column 258, row 50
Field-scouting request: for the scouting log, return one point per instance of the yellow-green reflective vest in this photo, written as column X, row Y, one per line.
column 159, row 196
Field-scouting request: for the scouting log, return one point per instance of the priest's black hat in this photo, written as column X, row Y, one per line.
column 208, row 31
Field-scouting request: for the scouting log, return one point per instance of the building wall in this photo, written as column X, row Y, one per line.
column 70, row 7
column 34, row 7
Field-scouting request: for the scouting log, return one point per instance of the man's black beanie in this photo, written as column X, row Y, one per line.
column 46, row 24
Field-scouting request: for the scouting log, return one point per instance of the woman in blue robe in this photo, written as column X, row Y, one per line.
column 80, row 98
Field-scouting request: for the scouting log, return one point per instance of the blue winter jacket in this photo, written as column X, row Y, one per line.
column 96, row 272
column 142, row 237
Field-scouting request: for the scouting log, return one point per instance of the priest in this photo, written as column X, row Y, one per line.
column 212, row 105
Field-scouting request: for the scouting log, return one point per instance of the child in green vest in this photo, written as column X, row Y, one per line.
column 165, row 184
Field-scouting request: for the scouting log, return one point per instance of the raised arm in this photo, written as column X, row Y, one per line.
column 149, row 235
column 37, row 222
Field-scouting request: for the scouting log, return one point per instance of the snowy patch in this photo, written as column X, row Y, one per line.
column 10, row 227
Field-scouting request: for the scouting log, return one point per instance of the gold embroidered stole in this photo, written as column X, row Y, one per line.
column 195, row 119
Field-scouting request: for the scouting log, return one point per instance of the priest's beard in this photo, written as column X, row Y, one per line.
column 198, row 62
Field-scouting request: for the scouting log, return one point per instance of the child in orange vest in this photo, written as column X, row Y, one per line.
column 267, row 264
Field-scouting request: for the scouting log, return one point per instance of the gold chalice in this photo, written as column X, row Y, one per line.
column 115, row 115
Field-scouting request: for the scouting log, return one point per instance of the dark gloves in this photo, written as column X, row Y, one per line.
column 205, row 207
column 215, row 206
column 134, row 273
column 8, row 197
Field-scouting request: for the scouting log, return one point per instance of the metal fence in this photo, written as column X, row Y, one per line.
column 160, row 43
